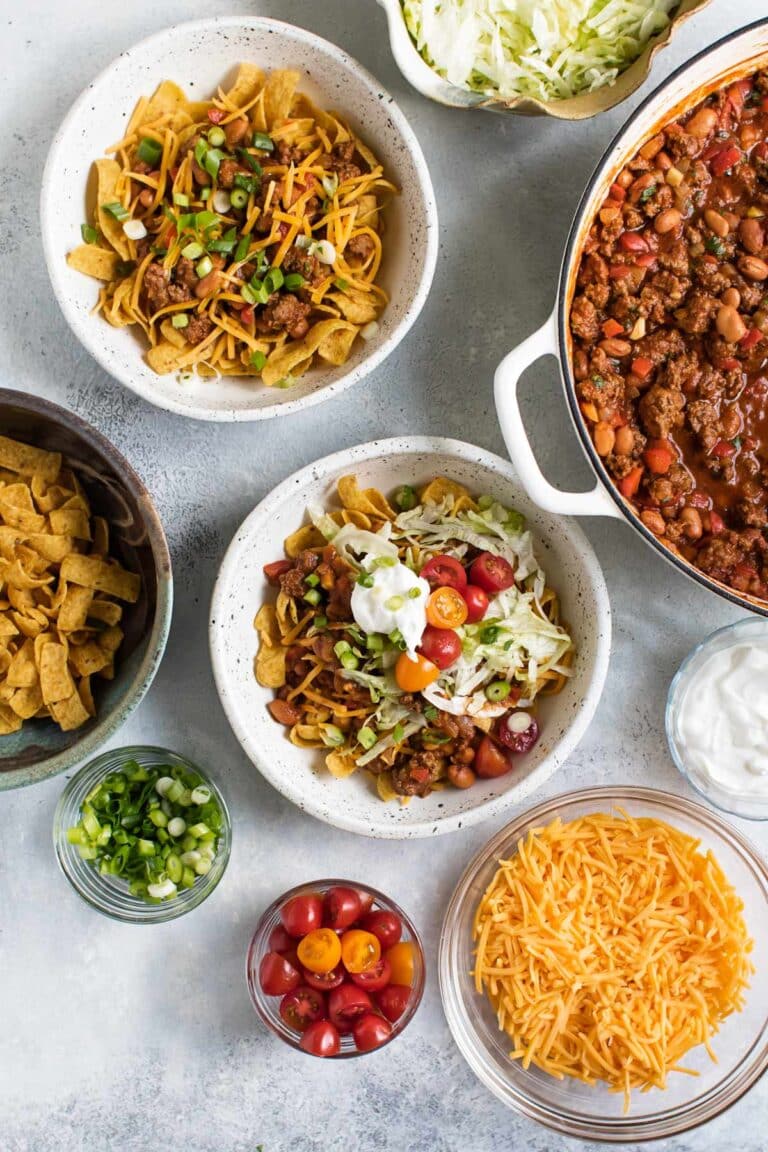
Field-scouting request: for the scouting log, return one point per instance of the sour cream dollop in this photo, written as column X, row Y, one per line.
column 723, row 721
column 396, row 599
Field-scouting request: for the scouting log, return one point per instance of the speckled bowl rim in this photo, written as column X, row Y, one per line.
column 301, row 796
column 92, row 741
column 88, row 334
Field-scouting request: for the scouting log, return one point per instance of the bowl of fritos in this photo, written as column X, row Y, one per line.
column 85, row 589
column 238, row 220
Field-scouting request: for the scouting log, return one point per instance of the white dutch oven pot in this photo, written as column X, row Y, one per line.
column 735, row 56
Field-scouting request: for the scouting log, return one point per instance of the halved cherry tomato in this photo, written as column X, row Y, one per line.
column 413, row 675
column 446, row 608
column 341, row 907
column 319, row 950
column 477, row 603
column 444, row 572
column 302, row 914
column 345, row 1004
column 280, row 941
column 371, row 1031
column 393, row 1000
column 321, row 1039
column 324, row 981
column 366, row 901
column 374, row 978
column 302, row 1007
column 401, row 957
column 277, row 975
column 359, row 950
column 490, row 761
column 275, row 570
column 440, row 645
column 516, row 735
column 492, row 573
column 386, row 926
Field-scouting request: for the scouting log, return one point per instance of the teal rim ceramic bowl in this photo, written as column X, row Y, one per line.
column 109, row 894
column 40, row 749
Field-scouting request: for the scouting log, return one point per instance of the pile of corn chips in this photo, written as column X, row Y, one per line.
column 59, row 615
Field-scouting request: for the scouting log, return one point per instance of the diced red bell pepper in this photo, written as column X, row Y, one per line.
column 645, row 259
column 698, row 500
column 612, row 328
column 658, row 458
column 216, row 115
column 761, row 150
column 618, row 193
column 629, row 485
column 642, row 367
column 619, row 271
column 276, row 569
column 728, row 363
column 753, row 337
column 633, row 242
column 725, row 159
column 246, row 314
column 723, row 449
column 716, row 524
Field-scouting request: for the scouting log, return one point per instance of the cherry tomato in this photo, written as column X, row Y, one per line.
column 302, row 1007
column 321, row 1039
column 384, row 925
column 446, row 608
column 374, row 978
column 320, row 950
column 359, row 950
column 518, row 731
column 341, row 907
column 345, row 1004
column 276, row 569
column 440, row 645
column 477, row 603
column 492, row 573
column 302, row 914
column 444, row 572
column 413, row 675
column 371, row 1031
column 402, row 962
column 324, row 981
column 277, row 975
column 366, row 901
column 393, row 1000
column 490, row 760
column 280, row 941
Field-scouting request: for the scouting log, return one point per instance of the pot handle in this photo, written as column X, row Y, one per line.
column 551, row 499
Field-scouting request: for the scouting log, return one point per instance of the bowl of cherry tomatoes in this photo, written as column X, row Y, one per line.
column 335, row 969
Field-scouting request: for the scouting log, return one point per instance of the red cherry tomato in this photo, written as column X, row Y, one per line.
column 302, row 914
column 371, row 1031
column 277, row 975
column 490, row 760
column 345, row 1004
column 492, row 573
column 341, row 907
column 477, row 603
column 444, row 572
column 275, row 570
column 321, row 1039
column 302, row 1007
column 385, row 925
column 440, row 645
column 393, row 1000
column 374, row 978
column 280, row 941
column 514, row 735
column 366, row 901
column 324, row 981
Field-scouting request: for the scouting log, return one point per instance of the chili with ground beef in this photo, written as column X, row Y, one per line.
column 670, row 334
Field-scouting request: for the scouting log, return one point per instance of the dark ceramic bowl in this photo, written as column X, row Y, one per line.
column 40, row 749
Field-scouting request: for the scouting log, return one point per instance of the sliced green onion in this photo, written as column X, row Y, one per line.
column 431, row 737
column 341, row 283
column 205, row 220
column 498, row 690
column 320, row 622
column 367, row 738
column 158, row 817
column 374, row 642
column 293, row 281
column 216, row 137
column 430, row 712
column 414, row 593
column 396, row 638
column 398, row 733
column 238, row 198
column 181, row 199
column 179, row 320
column 489, row 633
column 89, row 234
column 273, row 280
column 263, row 142
column 199, row 830
column 330, row 183
column 332, row 736
column 212, row 162
column 365, row 580
column 394, row 603
column 250, row 297
column 258, row 360
column 312, row 580
column 312, row 597
column 192, row 250
column 149, row 151
column 405, row 498
column 249, row 159
column 177, row 827
column 204, row 266
column 116, row 210
column 242, row 248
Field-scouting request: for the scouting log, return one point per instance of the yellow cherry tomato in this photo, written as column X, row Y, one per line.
column 319, row 951
column 413, row 675
column 402, row 962
column 359, row 950
column 446, row 608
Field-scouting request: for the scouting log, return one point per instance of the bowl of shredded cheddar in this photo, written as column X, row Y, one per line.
column 602, row 960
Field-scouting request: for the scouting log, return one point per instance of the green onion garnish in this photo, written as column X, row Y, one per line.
column 498, row 690
column 116, row 210
column 430, row 712
column 89, row 234
column 414, row 593
column 312, row 597
column 405, row 497
column 263, row 142
column 180, row 320
column 320, row 622
column 273, row 280
column 367, row 738
column 193, row 250
column 431, row 737
column 258, row 360
column 181, row 199
column 374, row 642
column 250, row 297
column 293, row 281
column 365, row 580
column 345, row 655
column 398, row 733
column 331, row 735
column 238, row 198
column 251, row 161
column 216, row 137
column 394, row 603
column 489, row 633
column 149, row 151
column 396, row 638
column 204, row 266
column 341, row 284
column 312, row 580
column 241, row 251
column 203, row 220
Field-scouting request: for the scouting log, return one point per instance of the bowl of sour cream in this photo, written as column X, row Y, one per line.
column 717, row 718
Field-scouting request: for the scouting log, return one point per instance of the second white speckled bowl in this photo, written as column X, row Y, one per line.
column 353, row 804
column 199, row 56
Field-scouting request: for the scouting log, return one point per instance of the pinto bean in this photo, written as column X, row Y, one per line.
column 615, row 347
column 653, row 520
column 730, row 324
column 605, row 438
column 702, row 123
column 691, row 521
column 236, row 130
column 209, row 284
column 753, row 268
column 717, row 223
column 731, row 297
column 284, row 712
column 668, row 221
column 625, row 440
column 751, row 235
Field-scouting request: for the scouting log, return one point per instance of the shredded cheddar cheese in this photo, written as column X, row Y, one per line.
column 609, row 947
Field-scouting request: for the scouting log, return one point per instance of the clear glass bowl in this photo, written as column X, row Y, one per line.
column 595, row 1113
column 267, row 1007
column 109, row 894
column 752, row 630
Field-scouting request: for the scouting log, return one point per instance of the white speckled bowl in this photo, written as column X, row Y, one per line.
column 353, row 804
column 198, row 56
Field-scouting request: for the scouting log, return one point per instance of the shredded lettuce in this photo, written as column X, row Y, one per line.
column 552, row 50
